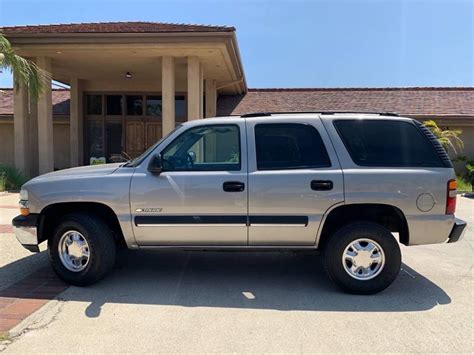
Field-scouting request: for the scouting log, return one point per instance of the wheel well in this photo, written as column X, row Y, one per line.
column 51, row 214
column 388, row 216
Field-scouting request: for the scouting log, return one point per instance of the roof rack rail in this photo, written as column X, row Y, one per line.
column 262, row 114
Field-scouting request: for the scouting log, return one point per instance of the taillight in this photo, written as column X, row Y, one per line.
column 451, row 197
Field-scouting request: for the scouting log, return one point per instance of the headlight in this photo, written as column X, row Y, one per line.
column 24, row 195
column 24, row 208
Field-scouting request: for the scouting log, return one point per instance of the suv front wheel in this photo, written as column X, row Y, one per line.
column 82, row 249
column 362, row 258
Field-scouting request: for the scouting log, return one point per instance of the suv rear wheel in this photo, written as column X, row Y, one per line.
column 362, row 258
column 82, row 249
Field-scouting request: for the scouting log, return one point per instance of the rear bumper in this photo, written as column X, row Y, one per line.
column 25, row 228
column 458, row 231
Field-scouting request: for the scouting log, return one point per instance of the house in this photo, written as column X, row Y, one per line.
column 133, row 82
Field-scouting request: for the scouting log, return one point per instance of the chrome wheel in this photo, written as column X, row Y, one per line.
column 74, row 251
column 363, row 259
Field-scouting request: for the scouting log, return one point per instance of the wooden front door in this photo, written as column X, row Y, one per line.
column 134, row 138
column 152, row 133
column 140, row 136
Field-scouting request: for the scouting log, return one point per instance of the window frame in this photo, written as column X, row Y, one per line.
column 358, row 163
column 304, row 167
column 239, row 134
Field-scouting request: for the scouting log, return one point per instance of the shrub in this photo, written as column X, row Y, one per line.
column 11, row 178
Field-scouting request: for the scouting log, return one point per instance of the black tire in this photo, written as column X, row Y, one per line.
column 102, row 249
column 337, row 243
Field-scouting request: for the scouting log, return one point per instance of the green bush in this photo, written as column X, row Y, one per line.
column 463, row 184
column 11, row 178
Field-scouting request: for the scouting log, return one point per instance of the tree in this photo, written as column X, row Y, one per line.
column 25, row 71
column 448, row 138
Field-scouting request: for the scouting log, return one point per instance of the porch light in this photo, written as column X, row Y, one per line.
column 128, row 75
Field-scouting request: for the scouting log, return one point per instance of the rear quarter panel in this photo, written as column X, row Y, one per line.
column 399, row 187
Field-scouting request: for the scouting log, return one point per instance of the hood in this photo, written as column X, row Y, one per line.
column 90, row 170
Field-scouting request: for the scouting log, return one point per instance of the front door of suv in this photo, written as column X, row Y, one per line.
column 294, row 178
column 200, row 198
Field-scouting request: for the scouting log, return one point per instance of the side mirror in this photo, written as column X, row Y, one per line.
column 155, row 167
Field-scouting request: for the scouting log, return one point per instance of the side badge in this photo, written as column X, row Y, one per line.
column 148, row 210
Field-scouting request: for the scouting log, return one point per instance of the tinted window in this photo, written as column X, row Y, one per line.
column 180, row 108
column 204, row 148
column 134, row 105
column 114, row 104
column 387, row 143
column 94, row 104
column 289, row 146
column 153, row 106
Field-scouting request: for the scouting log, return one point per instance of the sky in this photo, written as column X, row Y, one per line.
column 286, row 44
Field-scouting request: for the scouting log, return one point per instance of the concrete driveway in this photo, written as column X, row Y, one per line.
column 253, row 302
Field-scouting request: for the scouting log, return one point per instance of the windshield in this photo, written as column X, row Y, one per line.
column 137, row 161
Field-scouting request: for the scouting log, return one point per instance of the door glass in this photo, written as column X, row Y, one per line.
column 114, row 104
column 95, row 139
column 114, row 141
column 204, row 148
column 134, row 105
column 94, row 104
column 153, row 106
column 180, row 108
column 289, row 146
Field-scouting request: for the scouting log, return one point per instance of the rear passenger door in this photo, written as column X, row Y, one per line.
column 294, row 177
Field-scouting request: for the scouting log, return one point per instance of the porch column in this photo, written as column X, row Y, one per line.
column 33, row 137
column 168, row 94
column 75, row 123
column 194, row 89
column 45, row 122
column 20, row 126
column 211, row 98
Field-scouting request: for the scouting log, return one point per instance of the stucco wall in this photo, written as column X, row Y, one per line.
column 6, row 144
column 468, row 138
column 61, row 144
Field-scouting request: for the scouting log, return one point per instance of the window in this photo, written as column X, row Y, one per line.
column 204, row 148
column 387, row 143
column 153, row 106
column 94, row 137
column 180, row 108
column 94, row 104
column 134, row 105
column 114, row 141
column 114, row 104
column 289, row 146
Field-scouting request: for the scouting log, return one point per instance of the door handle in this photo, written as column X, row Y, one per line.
column 233, row 186
column 321, row 185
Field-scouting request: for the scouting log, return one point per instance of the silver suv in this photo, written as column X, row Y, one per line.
column 350, row 185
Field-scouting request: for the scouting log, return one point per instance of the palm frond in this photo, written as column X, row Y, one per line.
column 25, row 71
column 448, row 138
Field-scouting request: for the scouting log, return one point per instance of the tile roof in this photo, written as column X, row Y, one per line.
column 426, row 101
column 60, row 101
column 114, row 27
column 436, row 102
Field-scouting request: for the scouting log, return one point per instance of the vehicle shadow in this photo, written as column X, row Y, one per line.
column 283, row 281
column 259, row 280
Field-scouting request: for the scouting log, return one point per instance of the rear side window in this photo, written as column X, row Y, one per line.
column 289, row 146
column 387, row 143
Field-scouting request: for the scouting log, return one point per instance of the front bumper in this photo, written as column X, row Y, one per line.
column 458, row 231
column 25, row 228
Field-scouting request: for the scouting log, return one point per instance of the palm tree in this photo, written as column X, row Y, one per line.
column 448, row 138
column 25, row 71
